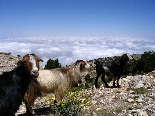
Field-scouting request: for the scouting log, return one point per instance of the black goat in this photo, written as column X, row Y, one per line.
column 14, row 84
column 111, row 68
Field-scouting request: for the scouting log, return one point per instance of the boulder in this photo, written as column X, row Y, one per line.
column 139, row 81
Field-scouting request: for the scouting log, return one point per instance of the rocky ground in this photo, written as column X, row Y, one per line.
column 135, row 97
column 8, row 62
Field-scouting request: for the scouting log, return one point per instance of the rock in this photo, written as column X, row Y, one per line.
column 93, row 102
column 129, row 77
column 150, row 107
column 125, row 79
column 152, row 95
column 8, row 62
column 139, row 85
column 22, row 110
column 139, row 81
column 139, row 113
column 130, row 115
column 94, row 114
column 130, row 100
column 98, row 109
column 132, row 92
column 140, row 100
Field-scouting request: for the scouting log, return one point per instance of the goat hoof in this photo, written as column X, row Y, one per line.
column 118, row 86
column 33, row 115
column 30, row 114
column 114, row 86
column 106, row 86
column 96, row 87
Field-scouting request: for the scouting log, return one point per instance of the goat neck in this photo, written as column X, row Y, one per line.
column 122, row 62
column 75, row 69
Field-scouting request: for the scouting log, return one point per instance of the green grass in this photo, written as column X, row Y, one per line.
column 137, row 107
column 140, row 90
column 118, row 111
column 118, row 92
column 108, row 79
column 135, row 97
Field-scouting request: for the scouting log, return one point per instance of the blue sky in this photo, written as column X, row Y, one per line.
column 119, row 18
column 28, row 22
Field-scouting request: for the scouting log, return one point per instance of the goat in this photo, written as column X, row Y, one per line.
column 111, row 68
column 14, row 84
column 56, row 81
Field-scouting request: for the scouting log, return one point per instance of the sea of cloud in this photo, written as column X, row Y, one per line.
column 70, row 49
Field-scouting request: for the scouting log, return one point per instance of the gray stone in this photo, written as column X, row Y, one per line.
column 130, row 100
column 140, row 81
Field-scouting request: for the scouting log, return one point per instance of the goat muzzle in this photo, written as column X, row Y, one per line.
column 35, row 73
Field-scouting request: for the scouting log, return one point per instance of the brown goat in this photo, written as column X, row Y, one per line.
column 55, row 81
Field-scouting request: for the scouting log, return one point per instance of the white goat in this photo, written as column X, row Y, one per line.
column 57, row 81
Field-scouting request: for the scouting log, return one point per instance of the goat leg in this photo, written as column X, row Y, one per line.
column 29, row 110
column 118, row 82
column 96, row 80
column 103, row 79
column 114, row 82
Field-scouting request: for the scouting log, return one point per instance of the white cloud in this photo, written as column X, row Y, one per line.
column 24, row 50
column 55, row 49
column 70, row 49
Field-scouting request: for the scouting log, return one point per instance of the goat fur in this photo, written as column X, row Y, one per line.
column 57, row 81
column 13, row 86
column 111, row 68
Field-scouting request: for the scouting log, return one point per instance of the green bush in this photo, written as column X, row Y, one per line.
column 87, row 85
column 144, row 64
column 51, row 64
column 71, row 104
column 88, row 79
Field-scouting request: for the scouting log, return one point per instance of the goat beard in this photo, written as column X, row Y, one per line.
column 74, row 84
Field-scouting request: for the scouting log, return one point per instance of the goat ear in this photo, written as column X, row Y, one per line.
column 123, row 56
column 96, row 62
column 21, row 61
column 78, row 61
column 38, row 59
column 41, row 60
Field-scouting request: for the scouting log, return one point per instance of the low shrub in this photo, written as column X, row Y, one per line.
column 71, row 104
column 88, row 79
column 140, row 90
